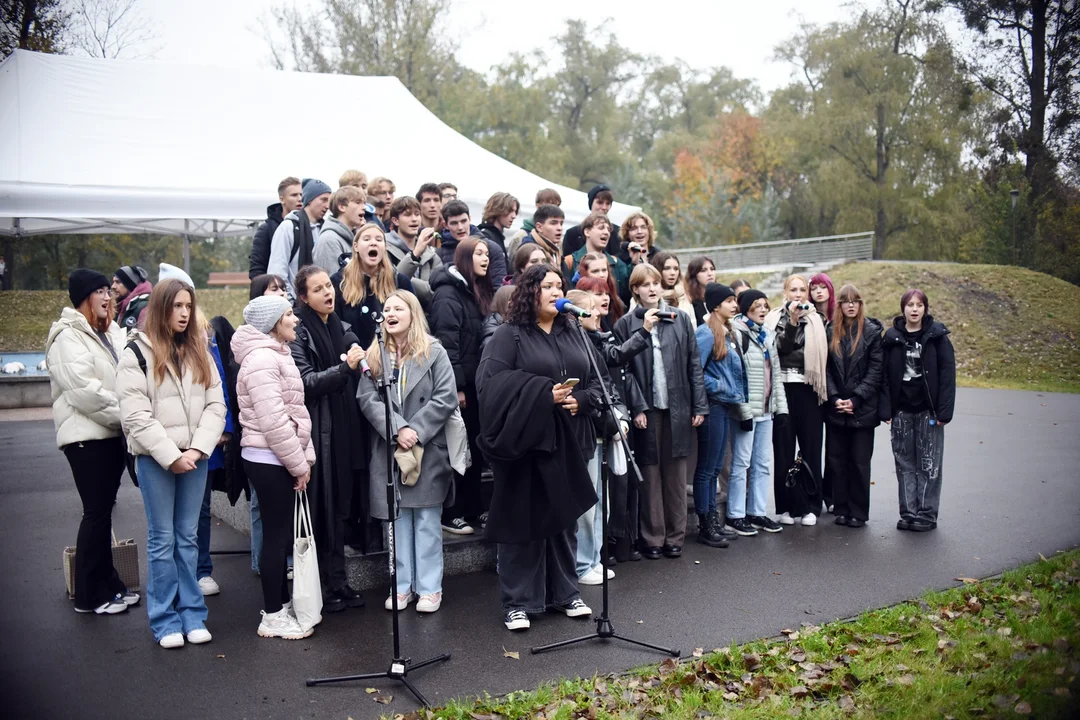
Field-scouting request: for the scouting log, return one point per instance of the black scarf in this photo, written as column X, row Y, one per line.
column 345, row 421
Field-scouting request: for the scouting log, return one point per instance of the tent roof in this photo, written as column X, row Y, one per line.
column 89, row 145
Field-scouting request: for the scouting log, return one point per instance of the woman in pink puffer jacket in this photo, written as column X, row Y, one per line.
column 277, row 448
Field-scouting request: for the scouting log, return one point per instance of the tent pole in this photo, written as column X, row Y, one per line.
column 187, row 249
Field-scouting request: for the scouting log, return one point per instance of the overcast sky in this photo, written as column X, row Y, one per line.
column 739, row 34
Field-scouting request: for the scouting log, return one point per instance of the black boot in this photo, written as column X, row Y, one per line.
column 721, row 528
column 607, row 552
column 707, row 533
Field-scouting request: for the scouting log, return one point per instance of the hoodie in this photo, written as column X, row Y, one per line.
column 131, row 311
column 404, row 261
column 335, row 239
column 270, row 394
column 497, row 266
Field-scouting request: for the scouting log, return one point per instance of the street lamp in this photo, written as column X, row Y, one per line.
column 1013, row 195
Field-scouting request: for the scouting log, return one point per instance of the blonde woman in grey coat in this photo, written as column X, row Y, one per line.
column 422, row 402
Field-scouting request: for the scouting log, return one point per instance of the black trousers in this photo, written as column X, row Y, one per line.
column 274, row 486
column 805, row 423
column 533, row 576
column 97, row 466
column 468, row 490
column 848, row 453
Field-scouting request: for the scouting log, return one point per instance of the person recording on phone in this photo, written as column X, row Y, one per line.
column 412, row 247
column 671, row 379
column 538, row 434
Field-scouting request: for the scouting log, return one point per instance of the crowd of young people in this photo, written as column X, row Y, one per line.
column 715, row 389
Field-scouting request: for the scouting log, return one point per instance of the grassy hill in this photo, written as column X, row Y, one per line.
column 1012, row 328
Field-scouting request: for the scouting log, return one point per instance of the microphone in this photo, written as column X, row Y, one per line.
column 352, row 341
column 666, row 315
column 372, row 313
column 565, row 306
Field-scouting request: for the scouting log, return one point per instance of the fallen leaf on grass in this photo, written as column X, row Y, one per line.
column 906, row 680
column 1023, row 708
column 849, row 682
column 967, row 580
column 1062, row 692
column 797, row 655
column 799, row 691
column 730, row 696
column 698, row 652
column 752, row 661
column 383, row 699
column 846, row 703
column 1004, row 631
column 512, row 654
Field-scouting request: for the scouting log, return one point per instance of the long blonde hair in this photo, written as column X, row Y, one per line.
column 720, row 328
column 188, row 350
column 418, row 341
column 354, row 280
column 842, row 325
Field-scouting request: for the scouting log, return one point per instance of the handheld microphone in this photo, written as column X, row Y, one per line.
column 665, row 315
column 352, row 341
column 565, row 306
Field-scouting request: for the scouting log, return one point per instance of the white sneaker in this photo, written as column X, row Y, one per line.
column 209, row 586
column 610, row 573
column 288, row 607
column 289, row 574
column 172, row 640
column 282, row 625
column 809, row 519
column 403, row 600
column 114, row 606
column 786, row 519
column 429, row 603
column 198, row 636
column 593, row 577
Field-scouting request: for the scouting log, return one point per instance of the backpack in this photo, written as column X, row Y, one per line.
column 263, row 249
column 129, row 459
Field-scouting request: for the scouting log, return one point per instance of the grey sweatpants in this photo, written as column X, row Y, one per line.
column 918, row 448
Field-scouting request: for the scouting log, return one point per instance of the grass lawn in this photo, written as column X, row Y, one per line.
column 1004, row 647
column 26, row 316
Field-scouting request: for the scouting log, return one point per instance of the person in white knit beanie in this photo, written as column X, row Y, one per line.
column 171, row 272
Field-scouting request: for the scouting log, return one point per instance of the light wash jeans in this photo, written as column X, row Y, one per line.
column 256, row 532
column 174, row 601
column 752, row 458
column 205, row 566
column 418, row 540
column 590, row 526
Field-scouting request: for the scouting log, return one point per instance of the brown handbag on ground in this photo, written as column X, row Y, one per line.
column 125, row 557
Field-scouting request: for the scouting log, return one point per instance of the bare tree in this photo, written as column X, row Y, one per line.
column 111, row 28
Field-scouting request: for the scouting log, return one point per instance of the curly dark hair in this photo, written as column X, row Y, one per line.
column 527, row 295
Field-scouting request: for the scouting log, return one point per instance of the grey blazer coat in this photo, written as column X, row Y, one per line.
column 429, row 399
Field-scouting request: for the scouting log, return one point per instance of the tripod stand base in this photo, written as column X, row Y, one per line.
column 399, row 670
column 604, row 631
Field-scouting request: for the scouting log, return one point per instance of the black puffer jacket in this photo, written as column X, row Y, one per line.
column 260, row 243
column 456, row 319
column 856, row 377
column 938, row 363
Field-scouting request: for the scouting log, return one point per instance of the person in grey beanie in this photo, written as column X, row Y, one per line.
column 293, row 244
column 277, row 448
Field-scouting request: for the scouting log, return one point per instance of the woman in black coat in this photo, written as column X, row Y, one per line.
column 538, row 433
column 854, row 377
column 920, row 373
column 337, row 430
column 462, row 299
column 365, row 281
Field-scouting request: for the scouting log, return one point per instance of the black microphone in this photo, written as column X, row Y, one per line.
column 565, row 306
column 352, row 341
column 666, row 315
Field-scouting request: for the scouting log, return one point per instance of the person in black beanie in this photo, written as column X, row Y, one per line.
column 131, row 288
column 600, row 201
column 81, row 354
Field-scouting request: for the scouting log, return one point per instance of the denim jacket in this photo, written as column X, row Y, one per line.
column 725, row 381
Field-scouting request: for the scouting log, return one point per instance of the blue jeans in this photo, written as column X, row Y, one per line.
column 711, row 443
column 590, row 526
column 256, row 532
column 751, row 461
column 205, row 566
column 174, row 601
column 418, row 540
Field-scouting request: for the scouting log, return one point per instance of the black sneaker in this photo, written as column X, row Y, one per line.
column 352, row 598
column 458, row 526
column 762, row 522
column 855, row 523
column 741, row 526
column 516, row 620
column 574, row 608
column 923, row 526
column 332, row 602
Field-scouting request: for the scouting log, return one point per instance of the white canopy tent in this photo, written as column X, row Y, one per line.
column 111, row 146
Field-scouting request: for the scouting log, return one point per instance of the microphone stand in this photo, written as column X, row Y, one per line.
column 399, row 666
column 604, row 628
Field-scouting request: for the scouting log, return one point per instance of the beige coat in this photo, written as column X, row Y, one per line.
column 164, row 420
column 82, row 375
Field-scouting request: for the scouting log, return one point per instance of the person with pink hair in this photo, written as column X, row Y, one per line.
column 823, row 295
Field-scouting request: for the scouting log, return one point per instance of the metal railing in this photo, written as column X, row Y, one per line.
column 853, row 246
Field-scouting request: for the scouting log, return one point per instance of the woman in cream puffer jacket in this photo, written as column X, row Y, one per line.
column 82, row 359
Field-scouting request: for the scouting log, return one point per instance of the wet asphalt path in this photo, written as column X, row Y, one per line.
column 1011, row 491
